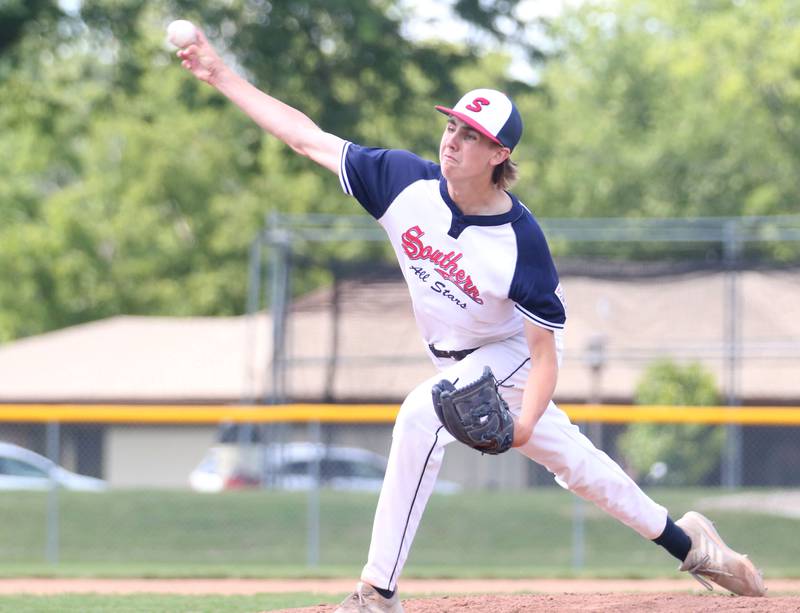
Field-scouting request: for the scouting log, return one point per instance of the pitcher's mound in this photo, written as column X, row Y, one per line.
column 586, row 603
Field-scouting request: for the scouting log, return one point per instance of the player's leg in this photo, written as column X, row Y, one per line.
column 580, row 467
column 587, row 471
column 418, row 441
column 559, row 445
column 415, row 457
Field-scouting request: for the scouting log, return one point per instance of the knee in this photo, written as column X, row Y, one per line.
column 416, row 416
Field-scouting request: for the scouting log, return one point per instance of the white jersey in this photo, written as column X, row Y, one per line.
column 473, row 279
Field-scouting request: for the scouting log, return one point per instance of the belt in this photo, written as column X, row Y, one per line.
column 457, row 355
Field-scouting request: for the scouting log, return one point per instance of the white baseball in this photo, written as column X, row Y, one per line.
column 181, row 33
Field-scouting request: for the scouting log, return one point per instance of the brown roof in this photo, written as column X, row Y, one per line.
column 133, row 359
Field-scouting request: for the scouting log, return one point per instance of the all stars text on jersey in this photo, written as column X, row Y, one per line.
column 446, row 263
column 437, row 286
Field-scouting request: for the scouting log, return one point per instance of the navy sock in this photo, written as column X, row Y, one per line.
column 674, row 540
column 385, row 593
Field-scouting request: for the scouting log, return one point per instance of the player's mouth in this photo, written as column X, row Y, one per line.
column 449, row 158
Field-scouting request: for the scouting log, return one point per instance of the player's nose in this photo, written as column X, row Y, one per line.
column 450, row 140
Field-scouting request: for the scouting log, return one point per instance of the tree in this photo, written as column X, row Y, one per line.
column 131, row 188
column 674, row 454
column 17, row 15
column 669, row 109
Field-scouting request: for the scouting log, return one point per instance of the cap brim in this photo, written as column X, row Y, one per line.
column 471, row 123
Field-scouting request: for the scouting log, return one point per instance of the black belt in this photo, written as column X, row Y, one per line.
column 456, row 355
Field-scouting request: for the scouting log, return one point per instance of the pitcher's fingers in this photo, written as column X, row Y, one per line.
column 201, row 38
column 192, row 49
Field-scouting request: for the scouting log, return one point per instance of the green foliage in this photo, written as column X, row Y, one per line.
column 16, row 16
column 666, row 382
column 130, row 188
column 669, row 109
column 690, row 453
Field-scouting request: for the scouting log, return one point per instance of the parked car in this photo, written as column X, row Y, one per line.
column 292, row 467
column 23, row 469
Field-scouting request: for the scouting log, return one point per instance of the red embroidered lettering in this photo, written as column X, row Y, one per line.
column 446, row 265
column 411, row 243
column 446, row 259
column 449, row 269
column 477, row 105
column 436, row 257
column 469, row 288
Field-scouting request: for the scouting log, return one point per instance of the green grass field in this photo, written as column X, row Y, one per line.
column 263, row 534
column 157, row 603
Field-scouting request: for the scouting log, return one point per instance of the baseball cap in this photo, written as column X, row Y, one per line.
column 491, row 113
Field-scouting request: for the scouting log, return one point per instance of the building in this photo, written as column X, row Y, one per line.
column 359, row 344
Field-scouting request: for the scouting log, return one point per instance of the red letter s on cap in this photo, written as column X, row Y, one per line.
column 477, row 105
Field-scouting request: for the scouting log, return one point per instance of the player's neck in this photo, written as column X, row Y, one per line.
column 486, row 199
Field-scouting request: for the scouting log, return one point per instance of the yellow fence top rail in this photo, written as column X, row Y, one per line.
column 372, row 413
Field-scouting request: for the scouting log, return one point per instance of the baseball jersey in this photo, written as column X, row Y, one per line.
column 473, row 279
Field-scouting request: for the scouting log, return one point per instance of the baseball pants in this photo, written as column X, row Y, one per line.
column 418, row 444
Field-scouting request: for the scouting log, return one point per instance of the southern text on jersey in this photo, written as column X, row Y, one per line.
column 446, row 262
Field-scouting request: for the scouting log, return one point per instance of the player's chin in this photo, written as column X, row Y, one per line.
column 448, row 169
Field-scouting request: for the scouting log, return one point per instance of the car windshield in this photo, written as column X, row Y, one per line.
column 340, row 468
column 296, row 468
column 17, row 468
column 331, row 469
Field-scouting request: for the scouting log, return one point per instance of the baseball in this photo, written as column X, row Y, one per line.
column 181, row 33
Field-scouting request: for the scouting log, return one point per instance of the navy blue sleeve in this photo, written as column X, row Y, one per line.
column 535, row 289
column 376, row 176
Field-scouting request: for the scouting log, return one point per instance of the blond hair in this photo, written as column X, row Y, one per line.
column 505, row 174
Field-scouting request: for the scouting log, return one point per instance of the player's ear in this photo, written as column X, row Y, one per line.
column 501, row 154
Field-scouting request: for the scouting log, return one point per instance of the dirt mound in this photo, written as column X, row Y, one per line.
column 677, row 595
column 583, row 603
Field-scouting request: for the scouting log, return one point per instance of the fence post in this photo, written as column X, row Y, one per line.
column 578, row 533
column 732, row 452
column 313, row 512
column 280, row 242
column 53, row 450
column 596, row 361
column 253, row 305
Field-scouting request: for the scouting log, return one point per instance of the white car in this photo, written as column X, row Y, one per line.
column 291, row 467
column 23, row 469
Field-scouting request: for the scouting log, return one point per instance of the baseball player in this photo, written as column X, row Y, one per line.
column 487, row 299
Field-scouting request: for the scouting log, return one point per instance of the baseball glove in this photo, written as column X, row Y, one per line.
column 475, row 414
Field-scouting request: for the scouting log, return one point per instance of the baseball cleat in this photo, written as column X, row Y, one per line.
column 366, row 600
column 711, row 559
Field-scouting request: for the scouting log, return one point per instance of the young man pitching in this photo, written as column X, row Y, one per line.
column 491, row 311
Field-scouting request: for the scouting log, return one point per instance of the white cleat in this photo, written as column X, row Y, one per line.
column 366, row 600
column 711, row 559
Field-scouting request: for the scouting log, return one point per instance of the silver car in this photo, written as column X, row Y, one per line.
column 23, row 469
column 296, row 466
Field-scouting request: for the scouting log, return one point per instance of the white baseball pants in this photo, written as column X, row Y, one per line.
column 418, row 442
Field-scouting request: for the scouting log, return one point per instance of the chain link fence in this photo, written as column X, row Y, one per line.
column 719, row 294
column 329, row 326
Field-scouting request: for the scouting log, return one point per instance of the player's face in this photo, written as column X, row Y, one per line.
column 465, row 153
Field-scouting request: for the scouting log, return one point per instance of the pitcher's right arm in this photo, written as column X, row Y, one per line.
column 277, row 118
